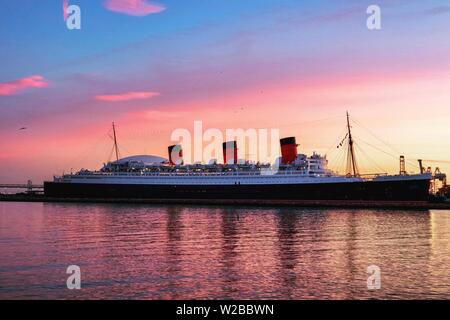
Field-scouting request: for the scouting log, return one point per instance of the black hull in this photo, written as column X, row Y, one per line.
column 402, row 190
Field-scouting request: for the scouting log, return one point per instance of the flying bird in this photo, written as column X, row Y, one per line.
column 23, row 128
column 240, row 109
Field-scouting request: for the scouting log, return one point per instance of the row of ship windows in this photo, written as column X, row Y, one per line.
column 201, row 177
column 210, row 180
column 216, row 181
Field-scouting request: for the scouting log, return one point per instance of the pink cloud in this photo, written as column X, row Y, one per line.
column 127, row 96
column 133, row 7
column 13, row 87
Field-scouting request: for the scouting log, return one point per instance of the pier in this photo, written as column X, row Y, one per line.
column 29, row 187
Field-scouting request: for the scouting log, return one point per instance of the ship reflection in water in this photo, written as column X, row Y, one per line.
column 169, row 252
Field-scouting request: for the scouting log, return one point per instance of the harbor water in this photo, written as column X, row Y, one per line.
column 179, row 252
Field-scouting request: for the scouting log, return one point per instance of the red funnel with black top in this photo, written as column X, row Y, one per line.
column 229, row 152
column 175, row 155
column 288, row 150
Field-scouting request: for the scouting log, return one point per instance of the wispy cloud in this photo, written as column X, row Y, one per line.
column 134, row 7
column 438, row 10
column 127, row 96
column 16, row 86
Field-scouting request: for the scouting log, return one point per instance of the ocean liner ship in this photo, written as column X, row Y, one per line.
column 295, row 177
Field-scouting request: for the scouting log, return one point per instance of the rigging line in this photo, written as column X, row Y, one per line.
column 436, row 161
column 334, row 159
column 338, row 157
column 334, row 152
column 123, row 148
column 375, row 136
column 360, row 150
column 385, row 143
column 411, row 163
column 343, row 163
column 338, row 139
column 110, row 154
column 339, row 160
column 385, row 152
column 339, row 165
column 381, row 150
column 333, row 163
column 82, row 155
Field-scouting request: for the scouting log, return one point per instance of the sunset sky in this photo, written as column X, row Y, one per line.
column 153, row 67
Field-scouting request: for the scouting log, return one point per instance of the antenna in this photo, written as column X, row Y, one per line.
column 351, row 161
column 115, row 142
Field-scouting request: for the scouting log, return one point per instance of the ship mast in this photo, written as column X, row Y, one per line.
column 351, row 161
column 115, row 142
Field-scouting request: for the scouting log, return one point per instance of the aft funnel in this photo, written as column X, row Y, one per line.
column 288, row 150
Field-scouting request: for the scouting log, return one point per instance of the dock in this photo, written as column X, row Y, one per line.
column 29, row 187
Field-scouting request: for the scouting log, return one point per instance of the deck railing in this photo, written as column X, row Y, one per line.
column 197, row 174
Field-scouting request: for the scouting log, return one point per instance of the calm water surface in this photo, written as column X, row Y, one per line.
column 171, row 252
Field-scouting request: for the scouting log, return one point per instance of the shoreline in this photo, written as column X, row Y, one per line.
column 403, row 205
